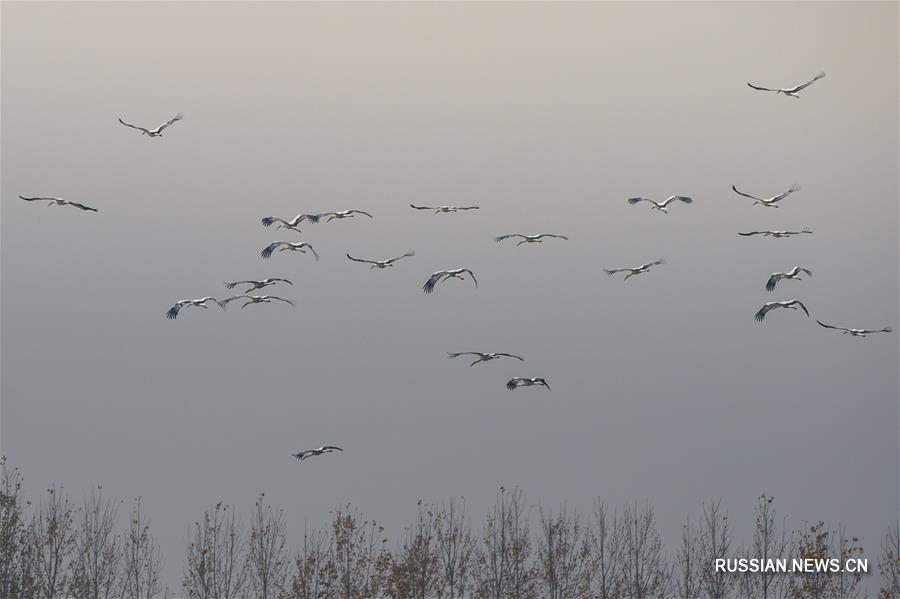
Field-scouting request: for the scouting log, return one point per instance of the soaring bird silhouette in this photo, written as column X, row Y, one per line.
column 769, row 306
column 529, row 238
column 661, row 206
column 856, row 332
column 282, row 246
column 308, row 453
column 314, row 218
column 255, row 299
column 767, row 202
column 158, row 131
column 285, row 224
column 382, row 263
column 484, row 357
column 520, row 382
column 59, row 202
column 443, row 275
column 444, row 209
column 172, row 313
column 793, row 274
column 778, row 234
column 790, row 91
column 637, row 270
column 257, row 284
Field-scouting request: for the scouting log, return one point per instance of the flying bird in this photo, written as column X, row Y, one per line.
column 285, row 224
column 443, row 275
column 172, row 313
column 382, row 263
column 793, row 274
column 155, row 132
column 444, row 209
column 286, row 245
column 520, row 382
column 484, row 357
column 767, row 202
column 638, row 270
column 257, row 284
column 314, row 218
column 856, row 332
column 529, row 238
column 308, row 453
column 769, row 306
column 255, row 299
column 661, row 206
column 59, row 202
column 790, row 91
column 778, row 234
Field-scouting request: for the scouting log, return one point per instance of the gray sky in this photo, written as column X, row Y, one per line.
column 548, row 116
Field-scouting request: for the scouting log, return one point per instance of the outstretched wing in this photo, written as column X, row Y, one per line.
column 612, row 271
column 422, row 207
column 134, row 126
column 773, row 280
column 500, row 238
column 172, row 312
column 828, row 326
column 749, row 233
column 808, row 83
column 761, row 314
column 512, row 356
column 512, row 384
column 463, row 353
column 799, row 303
column 38, row 199
column 471, row 274
column 168, row 123
column 360, row 212
column 428, row 287
column 271, row 220
column 746, row 195
column 542, row 382
column 301, row 455
column 468, row 207
column 267, row 251
column 228, row 300
column 406, row 255
column 311, row 249
column 233, row 284
column 330, row 448
column 633, row 201
column 788, row 192
column 763, row 89
column 361, row 260
column 82, row 206
column 314, row 218
column 281, row 299
column 671, row 199
column 552, row 235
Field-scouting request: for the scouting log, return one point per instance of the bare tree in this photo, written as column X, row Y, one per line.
column 315, row 576
column 819, row 542
column 267, row 556
column 15, row 551
column 645, row 572
column 504, row 558
column 455, row 548
column 606, row 552
column 52, row 541
column 96, row 565
column 889, row 564
column 845, row 582
column 415, row 568
column 715, row 543
column 358, row 554
column 215, row 565
column 688, row 568
column 563, row 556
column 141, row 559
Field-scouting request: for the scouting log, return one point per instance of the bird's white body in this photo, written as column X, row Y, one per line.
column 661, row 206
column 793, row 275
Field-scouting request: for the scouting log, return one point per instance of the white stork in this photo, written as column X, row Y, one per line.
column 529, row 238
column 484, row 357
column 790, row 91
column 776, row 234
column 158, row 131
column 314, row 218
column 793, row 274
column 172, row 313
column 444, row 209
column 517, row 382
column 856, row 332
column 382, row 263
column 638, row 270
column 257, row 284
column 769, row 306
column 308, row 453
column 443, row 275
column 661, row 206
column 767, row 202
column 255, row 299
column 59, row 202
column 282, row 246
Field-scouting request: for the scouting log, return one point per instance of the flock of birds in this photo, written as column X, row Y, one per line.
column 247, row 298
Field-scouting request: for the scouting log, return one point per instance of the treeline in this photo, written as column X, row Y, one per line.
column 55, row 547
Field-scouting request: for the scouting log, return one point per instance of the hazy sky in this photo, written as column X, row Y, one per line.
column 546, row 115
